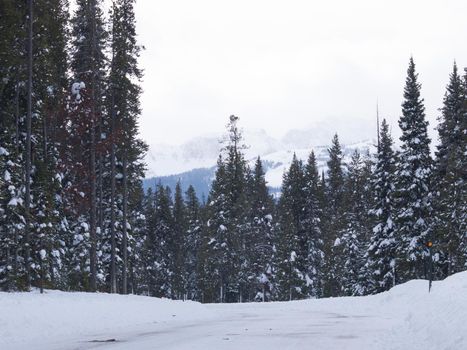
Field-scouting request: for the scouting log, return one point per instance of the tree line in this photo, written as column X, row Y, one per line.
column 70, row 156
column 357, row 228
column 74, row 216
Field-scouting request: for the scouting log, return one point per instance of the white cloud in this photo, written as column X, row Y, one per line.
column 283, row 64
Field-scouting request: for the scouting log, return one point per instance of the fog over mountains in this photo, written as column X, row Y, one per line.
column 194, row 161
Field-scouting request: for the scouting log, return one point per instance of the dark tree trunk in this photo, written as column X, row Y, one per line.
column 113, row 277
column 27, row 172
column 125, row 241
column 93, row 253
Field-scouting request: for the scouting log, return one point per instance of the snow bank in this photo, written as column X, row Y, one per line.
column 436, row 320
column 31, row 318
column 406, row 317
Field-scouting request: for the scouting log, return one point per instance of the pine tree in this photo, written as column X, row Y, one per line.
column 216, row 254
column 88, row 65
column 335, row 219
column 159, row 252
column 312, row 225
column 381, row 252
column 180, row 228
column 192, row 243
column 293, row 241
column 352, row 238
column 227, row 225
column 413, row 183
column 237, row 221
column 146, row 245
column 449, row 176
column 260, row 244
column 48, row 246
column 13, row 25
column 124, row 92
column 138, row 225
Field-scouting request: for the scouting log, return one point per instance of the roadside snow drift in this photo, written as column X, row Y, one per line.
column 405, row 318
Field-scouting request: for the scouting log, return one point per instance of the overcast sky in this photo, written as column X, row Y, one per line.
column 280, row 65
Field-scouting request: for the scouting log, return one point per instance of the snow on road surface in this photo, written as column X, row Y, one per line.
column 405, row 318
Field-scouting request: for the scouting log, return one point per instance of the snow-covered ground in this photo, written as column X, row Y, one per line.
column 405, row 318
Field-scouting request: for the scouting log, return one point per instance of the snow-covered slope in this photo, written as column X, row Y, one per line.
column 278, row 162
column 276, row 159
column 406, row 317
column 202, row 151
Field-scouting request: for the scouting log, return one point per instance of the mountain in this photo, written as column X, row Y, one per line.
column 202, row 152
column 277, row 163
column 194, row 162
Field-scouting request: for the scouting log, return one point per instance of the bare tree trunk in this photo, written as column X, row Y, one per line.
column 125, row 210
column 27, row 175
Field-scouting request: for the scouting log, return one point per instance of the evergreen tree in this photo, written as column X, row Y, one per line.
column 49, row 222
column 449, row 176
column 413, row 184
column 179, row 244
column 146, row 245
column 192, row 243
column 127, row 150
column 381, row 252
column 335, row 219
column 12, row 108
column 88, row 63
column 313, row 214
column 227, row 220
column 352, row 238
column 158, row 250
column 216, row 254
column 293, row 241
column 138, row 226
column 260, row 244
column 236, row 171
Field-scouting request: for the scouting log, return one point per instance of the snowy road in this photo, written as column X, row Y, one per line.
column 251, row 326
column 405, row 318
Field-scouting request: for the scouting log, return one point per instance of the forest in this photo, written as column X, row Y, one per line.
column 74, row 215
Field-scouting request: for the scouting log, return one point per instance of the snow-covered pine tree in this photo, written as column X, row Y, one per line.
column 192, row 243
column 414, row 198
column 76, row 165
column 138, row 224
column 124, row 107
column 260, row 244
column 292, row 246
column 12, row 108
column 236, row 171
column 461, row 161
column 227, row 218
column 313, row 213
column 352, row 237
column 245, row 250
column 450, row 178
column 179, row 244
column 335, row 220
column 381, row 252
column 215, row 254
column 88, row 65
column 159, row 252
column 145, row 246
column 48, row 222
